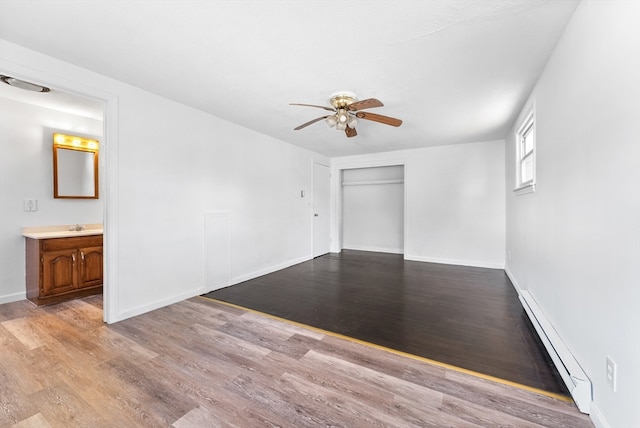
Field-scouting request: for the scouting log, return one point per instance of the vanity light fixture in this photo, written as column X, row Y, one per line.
column 75, row 167
column 28, row 86
column 64, row 140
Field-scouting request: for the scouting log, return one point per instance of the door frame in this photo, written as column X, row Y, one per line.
column 313, row 186
column 337, row 166
column 108, row 164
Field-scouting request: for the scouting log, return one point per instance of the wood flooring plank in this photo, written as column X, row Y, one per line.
column 394, row 385
column 23, row 330
column 283, row 326
column 270, row 339
column 14, row 403
column 191, row 313
column 113, row 344
column 481, row 416
column 220, row 407
column 35, row 421
column 199, row 417
column 113, row 405
column 63, row 407
column 150, row 394
column 335, row 408
column 220, row 339
column 68, row 339
column 488, row 387
column 268, row 398
column 25, row 371
column 79, row 314
column 200, row 361
column 13, row 310
column 425, row 416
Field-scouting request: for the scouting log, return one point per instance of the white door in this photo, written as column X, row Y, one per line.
column 320, row 209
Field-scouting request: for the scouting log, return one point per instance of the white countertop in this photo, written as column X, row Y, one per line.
column 47, row 232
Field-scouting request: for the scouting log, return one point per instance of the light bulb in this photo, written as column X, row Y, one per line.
column 352, row 122
column 341, row 126
column 331, row 121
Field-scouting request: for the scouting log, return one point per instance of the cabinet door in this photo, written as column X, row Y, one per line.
column 90, row 266
column 58, row 271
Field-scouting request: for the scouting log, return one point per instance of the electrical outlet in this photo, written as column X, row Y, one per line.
column 30, row 205
column 611, row 373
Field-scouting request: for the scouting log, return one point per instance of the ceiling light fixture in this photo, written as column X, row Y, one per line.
column 343, row 117
column 12, row 81
column 346, row 110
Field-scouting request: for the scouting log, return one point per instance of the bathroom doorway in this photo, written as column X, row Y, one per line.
column 28, row 170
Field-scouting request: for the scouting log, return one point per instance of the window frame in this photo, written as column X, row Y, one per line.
column 527, row 126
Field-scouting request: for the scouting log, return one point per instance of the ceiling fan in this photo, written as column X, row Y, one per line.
column 346, row 110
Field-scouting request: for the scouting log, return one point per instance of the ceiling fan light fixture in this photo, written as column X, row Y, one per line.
column 340, row 100
column 346, row 111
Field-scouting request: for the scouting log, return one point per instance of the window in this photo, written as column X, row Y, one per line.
column 525, row 152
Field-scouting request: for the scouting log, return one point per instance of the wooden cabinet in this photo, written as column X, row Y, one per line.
column 60, row 269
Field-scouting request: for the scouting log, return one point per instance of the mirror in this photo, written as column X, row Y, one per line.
column 75, row 167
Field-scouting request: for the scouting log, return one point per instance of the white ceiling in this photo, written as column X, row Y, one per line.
column 453, row 71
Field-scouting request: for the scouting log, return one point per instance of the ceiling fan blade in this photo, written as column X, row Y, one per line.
column 312, row 105
column 368, row 103
column 311, row 122
column 351, row 132
column 379, row 118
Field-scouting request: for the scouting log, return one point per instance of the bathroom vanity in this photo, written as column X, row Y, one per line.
column 63, row 264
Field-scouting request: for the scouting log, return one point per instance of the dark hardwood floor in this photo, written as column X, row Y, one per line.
column 466, row 317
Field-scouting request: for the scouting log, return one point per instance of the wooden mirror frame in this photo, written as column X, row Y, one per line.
column 78, row 144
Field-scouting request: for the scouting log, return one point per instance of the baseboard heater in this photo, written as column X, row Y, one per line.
column 572, row 374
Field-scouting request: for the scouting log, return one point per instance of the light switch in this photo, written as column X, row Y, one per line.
column 30, row 205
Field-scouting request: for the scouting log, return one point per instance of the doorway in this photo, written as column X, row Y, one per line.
column 78, row 106
column 373, row 209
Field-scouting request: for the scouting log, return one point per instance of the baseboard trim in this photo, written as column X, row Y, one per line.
column 271, row 269
column 374, row 249
column 597, row 417
column 513, row 280
column 139, row 310
column 471, row 263
column 8, row 298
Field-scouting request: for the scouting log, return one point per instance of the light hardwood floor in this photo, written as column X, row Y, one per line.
column 200, row 363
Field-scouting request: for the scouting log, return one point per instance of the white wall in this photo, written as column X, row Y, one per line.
column 26, row 172
column 454, row 202
column 373, row 209
column 168, row 165
column 575, row 242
